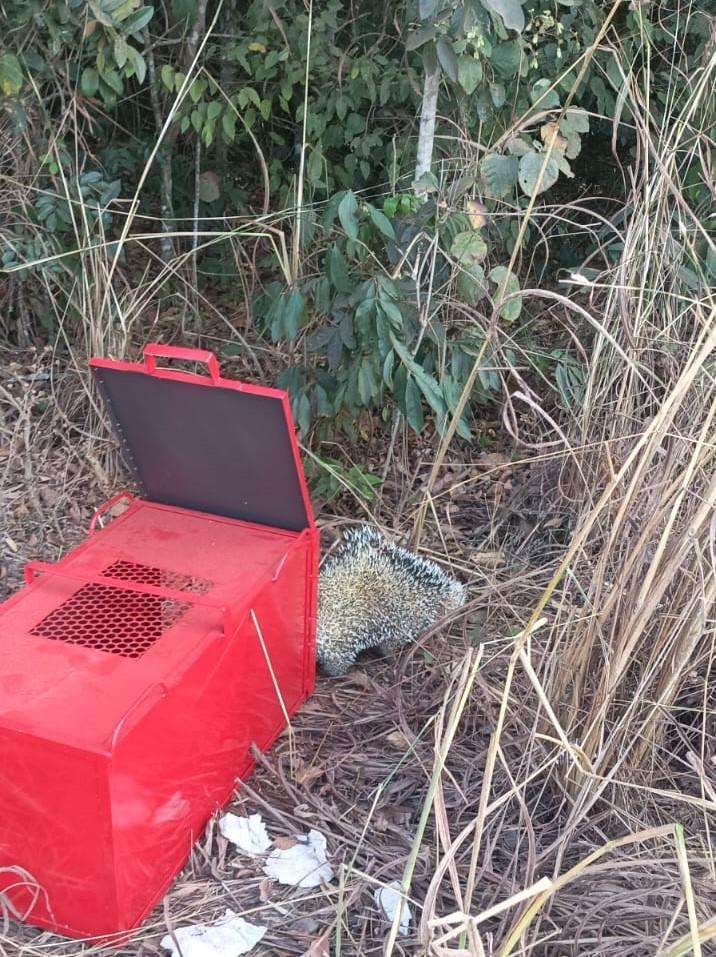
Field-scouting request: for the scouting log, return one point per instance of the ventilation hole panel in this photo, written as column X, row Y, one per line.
column 158, row 577
column 113, row 620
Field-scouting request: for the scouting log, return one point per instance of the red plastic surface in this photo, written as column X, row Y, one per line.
column 132, row 685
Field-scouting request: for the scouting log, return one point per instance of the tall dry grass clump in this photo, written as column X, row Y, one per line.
column 639, row 630
column 612, row 805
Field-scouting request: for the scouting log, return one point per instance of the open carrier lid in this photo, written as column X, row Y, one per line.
column 206, row 443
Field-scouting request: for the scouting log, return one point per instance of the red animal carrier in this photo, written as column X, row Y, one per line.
column 137, row 672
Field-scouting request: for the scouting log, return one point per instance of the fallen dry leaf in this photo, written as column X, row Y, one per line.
column 283, row 843
column 476, row 213
column 493, row 460
column 397, row 739
column 50, row 496
column 447, row 480
column 361, row 679
column 550, row 134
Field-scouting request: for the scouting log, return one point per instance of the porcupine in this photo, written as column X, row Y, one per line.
column 374, row 594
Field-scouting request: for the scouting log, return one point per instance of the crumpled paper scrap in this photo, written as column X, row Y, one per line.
column 230, row 936
column 303, row 865
column 387, row 899
column 247, row 833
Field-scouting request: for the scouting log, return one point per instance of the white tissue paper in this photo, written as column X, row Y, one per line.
column 303, row 865
column 388, row 900
column 230, row 936
column 247, row 833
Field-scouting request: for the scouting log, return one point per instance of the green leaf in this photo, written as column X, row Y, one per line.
column 114, row 81
column 427, row 183
column 578, row 120
column 418, row 37
column 469, row 73
column 348, row 214
column 249, row 95
column 427, row 384
column 471, row 284
column 209, row 187
column 452, row 391
column 430, row 58
column 388, row 364
column 501, row 275
column 381, row 222
column 228, row 125
column 314, row 167
column 518, row 145
column 392, row 313
column 342, row 105
column 427, row 8
column 10, row 74
column 337, row 270
column 121, row 51
column 530, row 170
column 541, row 93
column 506, row 58
column 498, row 94
column 293, row 313
column 468, row 248
column 138, row 64
column 167, row 75
column 500, row 174
column 366, row 381
column 447, row 58
column 386, row 84
column 213, row 109
column 138, row 20
column 509, row 10
column 207, row 133
column 89, row 81
column 413, row 406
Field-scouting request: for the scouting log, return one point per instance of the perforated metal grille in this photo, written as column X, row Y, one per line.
column 116, row 620
column 159, row 577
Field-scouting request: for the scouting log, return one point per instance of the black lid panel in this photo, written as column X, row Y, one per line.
column 207, row 447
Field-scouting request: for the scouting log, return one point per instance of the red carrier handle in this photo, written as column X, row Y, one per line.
column 155, row 350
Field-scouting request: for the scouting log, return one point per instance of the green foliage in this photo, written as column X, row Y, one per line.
column 570, row 377
column 328, row 478
column 350, row 80
column 361, row 325
column 99, row 40
column 353, row 326
column 57, row 220
column 11, row 78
